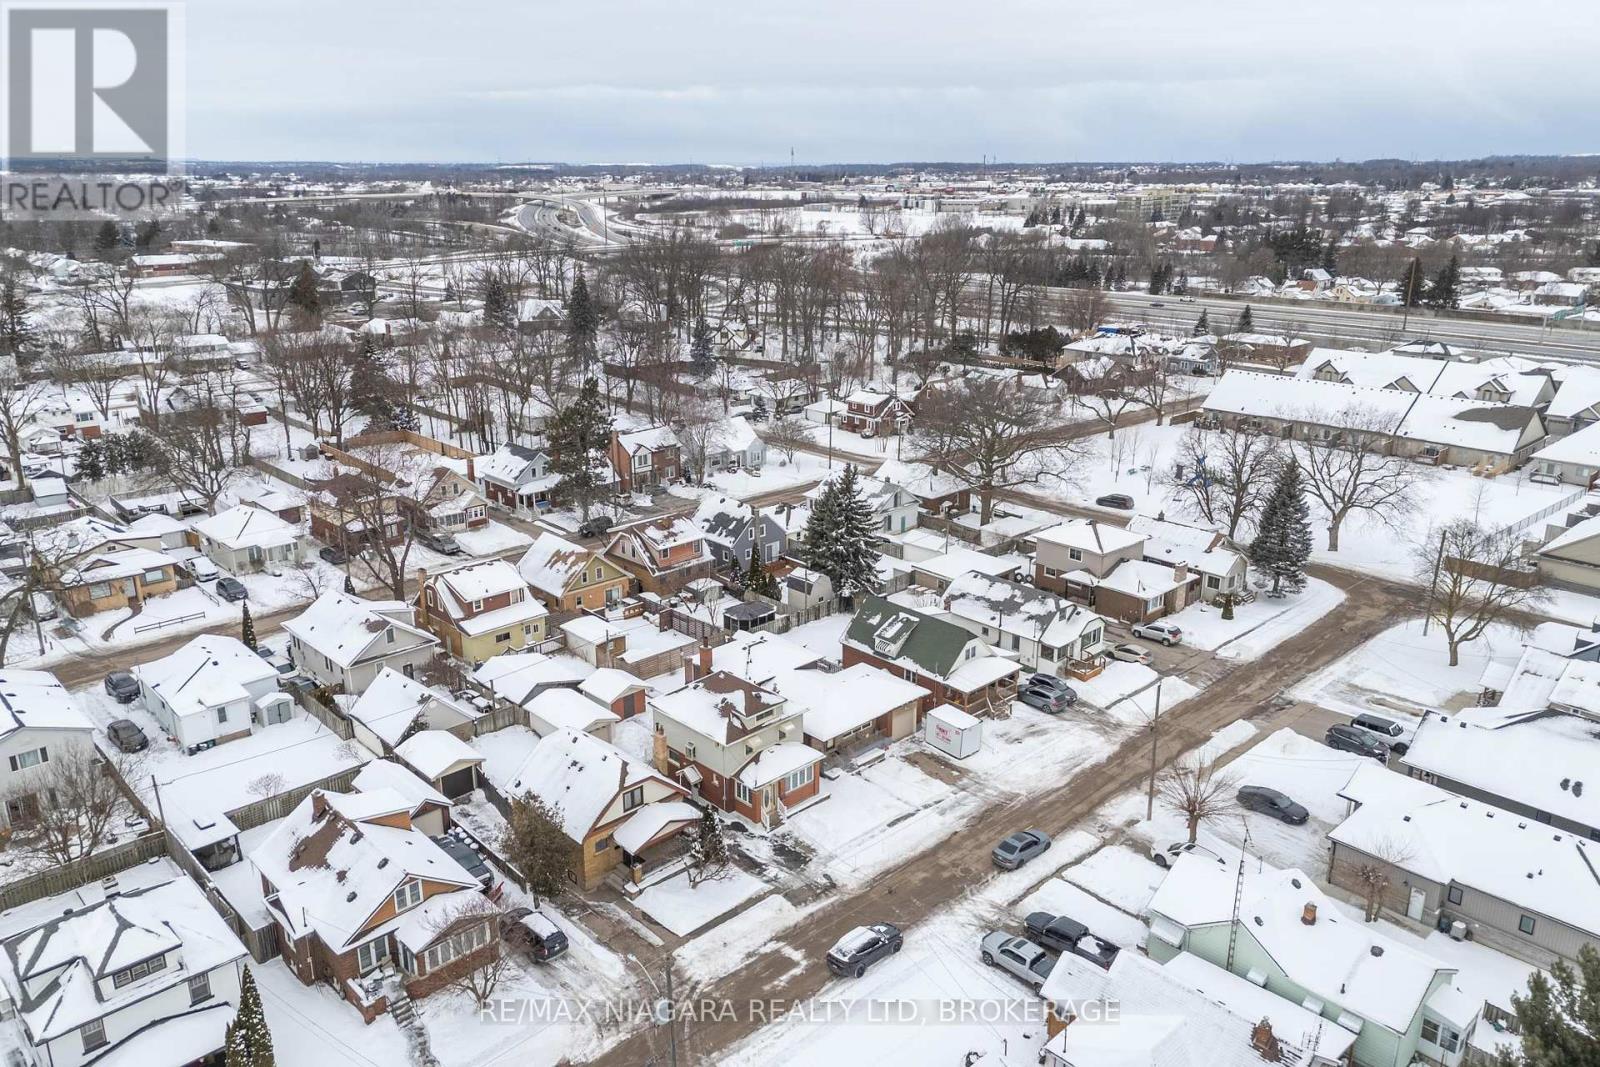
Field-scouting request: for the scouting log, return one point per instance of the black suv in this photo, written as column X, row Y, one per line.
column 127, row 736
column 123, row 686
column 594, row 526
column 1359, row 741
column 1055, row 932
column 864, row 946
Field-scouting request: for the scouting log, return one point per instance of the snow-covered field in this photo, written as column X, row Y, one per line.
column 1257, row 627
column 1403, row 672
column 684, row 908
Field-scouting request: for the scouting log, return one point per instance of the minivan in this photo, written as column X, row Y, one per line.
column 1387, row 729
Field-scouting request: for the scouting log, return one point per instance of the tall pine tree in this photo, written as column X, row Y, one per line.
column 248, row 1042
column 842, row 537
column 579, row 437
column 700, row 356
column 583, row 322
column 1202, row 325
column 1282, row 545
column 1445, row 292
column 303, row 291
column 247, row 628
column 1412, row 285
column 1247, row 321
column 497, row 310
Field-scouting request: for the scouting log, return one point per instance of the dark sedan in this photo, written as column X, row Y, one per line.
column 123, row 686
column 1273, row 803
column 127, row 736
column 231, row 589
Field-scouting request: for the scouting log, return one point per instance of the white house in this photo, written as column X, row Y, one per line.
column 246, row 539
column 150, row 976
column 345, row 642
column 1045, row 631
column 384, row 714
column 213, row 689
column 734, row 444
column 38, row 723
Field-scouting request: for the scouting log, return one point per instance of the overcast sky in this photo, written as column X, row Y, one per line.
column 885, row 80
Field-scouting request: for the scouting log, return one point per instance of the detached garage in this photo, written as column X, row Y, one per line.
column 442, row 760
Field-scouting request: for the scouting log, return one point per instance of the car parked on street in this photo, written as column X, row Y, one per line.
column 1019, row 848
column 1388, row 731
column 1017, row 956
column 233, row 589
column 1354, row 739
column 1120, row 501
column 594, row 526
column 127, row 736
column 1167, row 633
column 333, row 554
column 1055, row 932
column 122, row 686
column 1167, row 855
column 1271, row 802
column 1130, row 654
column 442, row 541
column 532, row 933
column 859, row 949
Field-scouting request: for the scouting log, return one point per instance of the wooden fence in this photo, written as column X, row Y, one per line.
column 80, row 872
column 327, row 716
column 264, row 811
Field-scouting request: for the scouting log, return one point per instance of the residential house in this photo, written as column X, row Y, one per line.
column 394, row 707
column 364, row 901
column 1573, row 459
column 734, row 529
column 616, row 810
column 937, row 493
column 738, row 745
column 663, row 555
column 645, row 459
column 616, row 690
column 338, row 519
column 147, row 976
column 1273, row 350
column 1500, row 380
column 213, row 689
column 734, row 445
column 1515, row 884
column 938, row 571
column 1224, row 570
column 245, row 540
column 954, row 666
column 1286, row 936
column 760, row 657
column 561, row 708
column 106, row 580
column 443, row 760
column 1071, row 557
column 849, row 709
column 1047, row 633
column 344, row 642
column 894, row 509
column 452, row 503
column 430, row 809
column 569, row 577
column 481, row 609
column 521, row 676
column 1561, row 294
column 517, row 478
column 538, row 315
column 40, row 724
column 871, row 413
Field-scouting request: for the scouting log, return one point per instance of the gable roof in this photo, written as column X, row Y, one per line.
column 551, row 563
column 36, row 700
column 247, row 526
column 1013, row 607
column 342, row 627
column 1097, row 537
column 392, row 702
column 579, row 775
column 209, row 671
column 883, row 628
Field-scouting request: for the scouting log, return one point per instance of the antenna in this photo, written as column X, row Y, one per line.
column 1238, row 894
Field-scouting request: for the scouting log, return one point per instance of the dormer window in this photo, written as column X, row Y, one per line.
column 633, row 798
column 409, row 895
column 142, row 969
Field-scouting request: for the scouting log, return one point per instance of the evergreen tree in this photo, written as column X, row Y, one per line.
column 303, row 291
column 107, row 238
column 16, row 332
column 759, row 412
column 842, row 538
column 248, row 1042
column 577, row 434
column 1445, row 292
column 145, row 236
column 583, row 322
column 1330, row 257
column 92, row 459
column 1202, row 325
column 1559, row 1018
column 497, row 309
column 349, row 586
column 757, row 580
column 700, row 356
column 537, row 846
column 1412, row 284
column 1247, row 321
column 247, row 628
column 708, row 856
column 1282, row 545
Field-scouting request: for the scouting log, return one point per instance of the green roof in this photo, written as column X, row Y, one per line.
column 933, row 644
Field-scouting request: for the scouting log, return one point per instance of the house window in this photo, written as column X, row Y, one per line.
column 1453, row 894
column 688, row 749
column 1051, row 572
column 641, row 461
column 93, row 1034
column 408, row 895
column 603, row 844
column 456, row 945
column 222, row 714
column 31, row 758
column 139, row 970
column 633, row 798
column 741, row 792
column 799, row 779
column 388, row 635
column 1075, row 553
column 1526, row 924
column 599, row 572
column 99, row 590
column 502, row 638
column 1430, row 1031
column 152, row 577
column 374, row 952
column 1213, row 582
column 199, row 988
column 477, row 606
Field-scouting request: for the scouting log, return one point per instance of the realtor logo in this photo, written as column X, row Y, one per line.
column 87, row 84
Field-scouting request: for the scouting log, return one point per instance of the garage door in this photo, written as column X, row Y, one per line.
column 457, row 783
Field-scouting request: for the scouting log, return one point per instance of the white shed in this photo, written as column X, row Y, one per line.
column 952, row 731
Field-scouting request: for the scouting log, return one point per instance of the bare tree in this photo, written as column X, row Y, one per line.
column 205, row 445
column 1352, row 469
column 1150, row 385
column 1374, row 873
column 1475, row 578
column 1109, row 399
column 20, row 401
column 1084, row 309
column 73, row 800
column 1197, row 790
column 1224, row 476
column 460, row 922
column 992, row 434
column 380, row 502
column 266, row 785
column 788, row 435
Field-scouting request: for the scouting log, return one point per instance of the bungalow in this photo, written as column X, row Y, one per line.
column 517, row 478
column 521, row 676
column 951, row 664
column 645, row 459
column 247, row 539
column 481, row 609
column 614, row 809
column 452, row 503
column 854, row 707
column 40, row 724
column 538, row 315
column 344, row 642
column 1570, row 460
column 734, row 445
column 353, row 887
column 569, row 577
column 938, row 571
column 112, row 579
column 734, row 529
column 213, row 689
column 937, row 493
column 394, row 707
column 663, row 555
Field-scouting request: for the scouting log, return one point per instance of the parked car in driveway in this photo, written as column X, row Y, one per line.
column 532, row 933
column 232, row 589
column 1130, row 654
column 1354, row 739
column 1120, row 501
column 42, row 606
column 441, row 541
column 1019, row 848
column 122, row 686
column 1055, row 932
column 1167, row 855
column 1098, row 952
column 1017, row 956
column 594, row 526
column 332, row 554
column 458, row 848
column 1047, row 693
column 203, row 570
column 127, row 736
column 1167, row 633
column 1388, row 731
column 1273, row 803
column 853, row 953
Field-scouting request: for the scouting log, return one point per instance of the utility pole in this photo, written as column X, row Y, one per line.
column 672, row 1020
column 1433, row 586
column 1155, row 723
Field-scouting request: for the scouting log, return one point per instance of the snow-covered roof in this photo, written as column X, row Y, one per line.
column 579, row 776
column 35, row 700
column 434, row 752
column 551, row 562
column 761, row 656
column 951, row 565
column 1526, row 382
column 834, row 704
column 1136, row 577
column 122, row 563
column 563, row 707
column 650, row 821
column 246, row 526
column 89, row 943
column 650, row 440
column 771, row 764
column 333, row 867
column 514, row 675
column 1581, row 448
column 715, row 706
column 341, row 627
column 919, row 479
column 387, row 774
column 457, row 589
column 1097, row 537
column 1577, row 391
column 208, row 672
column 609, row 683
column 392, row 702
column 1015, row 608
column 510, row 464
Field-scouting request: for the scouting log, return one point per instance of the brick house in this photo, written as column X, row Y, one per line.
column 569, row 577
column 664, row 554
column 480, row 610
column 517, row 478
column 645, row 459
column 870, row 413
column 737, row 744
column 954, row 666
column 367, row 903
column 107, row 580
column 1139, row 591
column 1070, row 556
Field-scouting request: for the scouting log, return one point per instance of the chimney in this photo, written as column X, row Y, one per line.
column 1265, row 1042
column 1180, row 572
column 658, row 754
column 422, row 597
column 705, row 658
column 472, row 475
column 1309, row 915
column 663, row 620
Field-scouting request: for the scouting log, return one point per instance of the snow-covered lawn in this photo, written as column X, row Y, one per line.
column 1060, row 897
column 1402, row 671
column 724, row 948
column 315, row 1025
column 1118, row 681
column 492, row 539
column 1143, row 705
column 778, row 474
column 683, row 908
column 1257, row 627
column 1119, row 876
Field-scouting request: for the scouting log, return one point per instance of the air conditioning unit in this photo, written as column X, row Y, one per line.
column 1458, row 931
